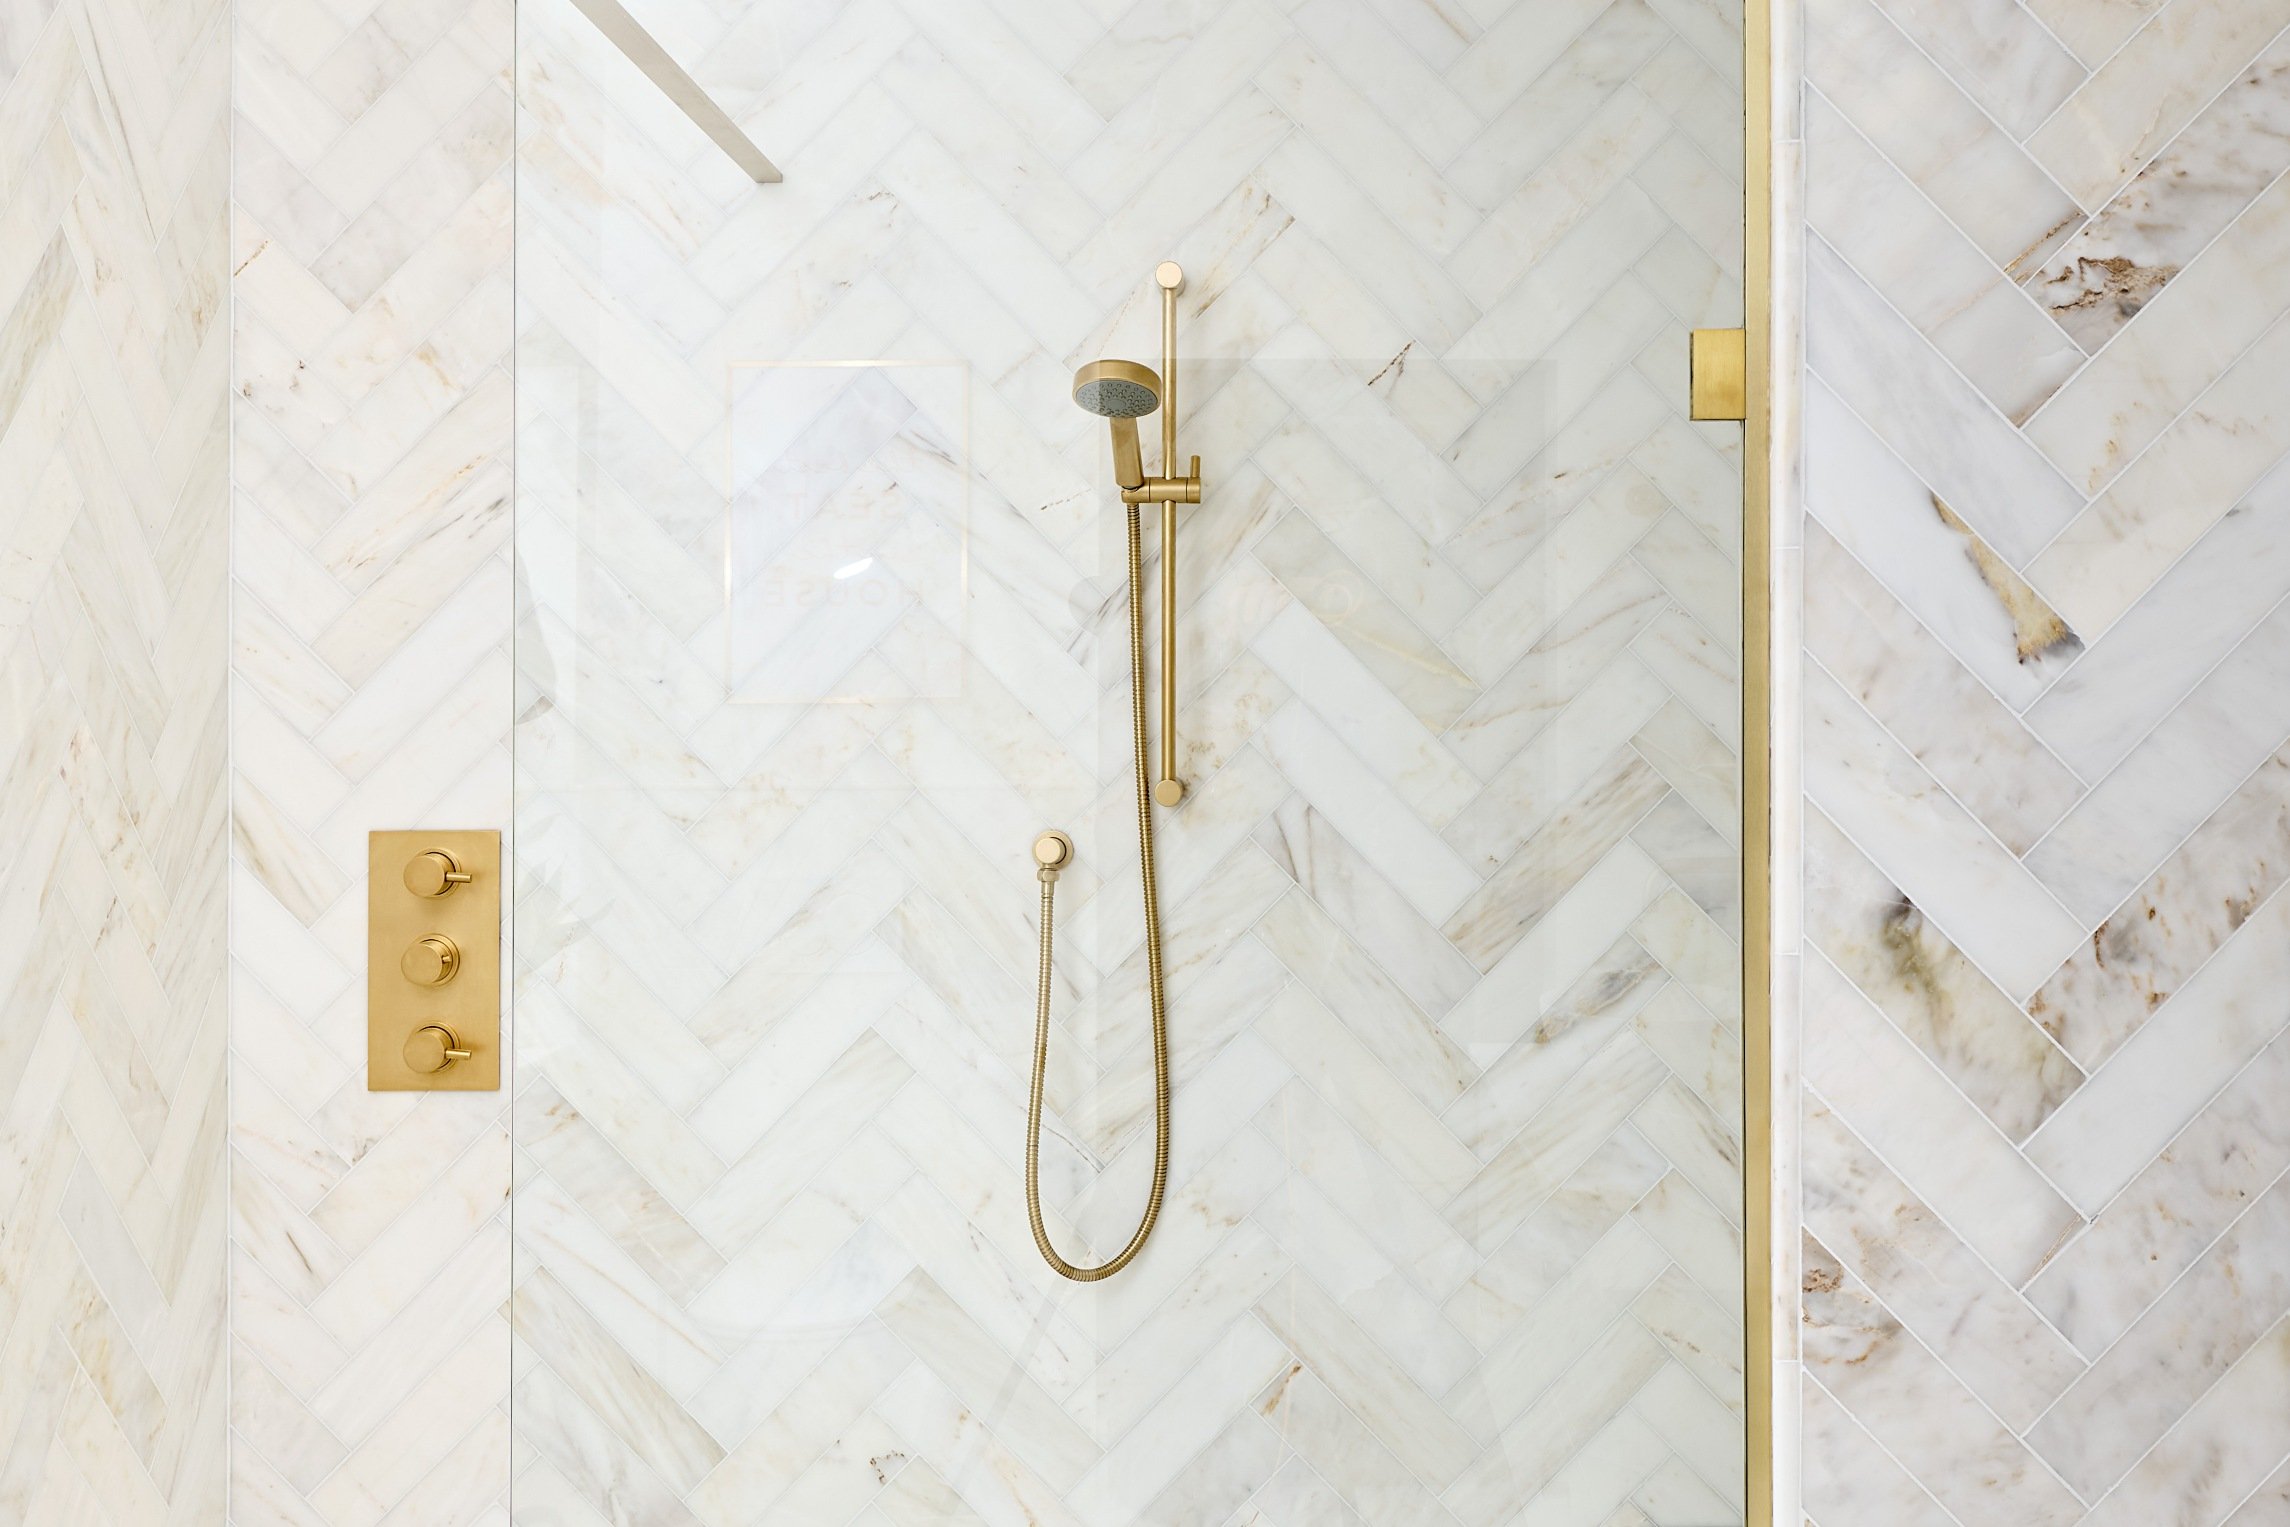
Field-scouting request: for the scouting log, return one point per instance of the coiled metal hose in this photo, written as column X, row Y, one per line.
column 1051, row 854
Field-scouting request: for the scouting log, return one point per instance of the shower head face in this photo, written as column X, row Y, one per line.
column 1117, row 389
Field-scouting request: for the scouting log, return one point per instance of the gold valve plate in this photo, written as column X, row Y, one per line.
column 469, row 1004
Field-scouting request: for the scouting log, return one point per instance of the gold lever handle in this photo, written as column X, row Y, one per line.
column 434, row 873
column 432, row 1048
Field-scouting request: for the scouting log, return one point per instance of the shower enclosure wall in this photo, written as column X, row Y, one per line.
column 801, row 614
column 822, row 621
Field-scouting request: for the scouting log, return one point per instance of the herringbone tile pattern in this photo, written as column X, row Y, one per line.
column 2049, row 537
column 113, row 375
column 371, row 689
column 1453, row 1227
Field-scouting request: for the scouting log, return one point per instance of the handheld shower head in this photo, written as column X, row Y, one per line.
column 1121, row 393
column 1117, row 389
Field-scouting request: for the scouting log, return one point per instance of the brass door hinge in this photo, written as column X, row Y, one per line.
column 1719, row 387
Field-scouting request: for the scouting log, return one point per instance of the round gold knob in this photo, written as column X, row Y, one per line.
column 1171, row 277
column 1168, row 792
column 1053, row 850
column 432, row 961
column 434, row 873
column 431, row 1048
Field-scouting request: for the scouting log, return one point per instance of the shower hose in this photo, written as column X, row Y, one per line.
column 1047, row 874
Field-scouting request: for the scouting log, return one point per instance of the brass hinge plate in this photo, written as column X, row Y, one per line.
column 1719, row 387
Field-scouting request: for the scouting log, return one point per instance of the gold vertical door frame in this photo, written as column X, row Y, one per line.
column 1758, row 1355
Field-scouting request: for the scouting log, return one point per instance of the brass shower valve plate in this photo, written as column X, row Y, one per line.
column 433, row 961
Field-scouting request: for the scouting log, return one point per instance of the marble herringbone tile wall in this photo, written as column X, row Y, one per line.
column 2046, row 547
column 1452, row 1235
column 370, row 687
column 114, row 370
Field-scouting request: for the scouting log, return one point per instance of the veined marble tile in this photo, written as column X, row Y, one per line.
column 1943, row 860
column 2142, row 97
column 1521, row 892
column 1883, row 942
column 2158, row 1079
column 1950, row 1157
column 2216, row 598
column 2188, row 909
column 1541, row 1441
column 2204, row 464
column 2153, row 1230
column 2001, row 56
column 2169, row 784
column 1848, row 1476
column 1889, row 520
column 2094, row 28
column 1919, row 119
column 1934, row 1284
column 1946, row 433
column 1917, row 1410
column 1402, row 657
column 2182, row 200
column 2099, row 422
column 2220, row 1452
column 1879, row 221
column 1957, row 729
column 2175, row 1352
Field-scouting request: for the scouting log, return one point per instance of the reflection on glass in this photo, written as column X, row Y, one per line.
column 849, row 508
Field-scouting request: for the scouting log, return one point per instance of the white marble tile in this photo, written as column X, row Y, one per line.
column 1933, row 1283
column 2094, row 28
column 2183, row 1345
column 1949, row 1157
column 1869, row 642
column 2160, row 1078
column 1999, row 53
column 1849, row 1475
column 2152, row 1231
column 1866, row 209
column 2099, row 422
column 2173, row 209
column 1994, row 1053
column 2169, row 784
column 2142, row 97
column 2187, row 910
column 1947, row 434
column 1915, row 1408
column 1943, row 860
column 2196, row 615
column 1921, row 120
column 2232, row 1431
column 2198, row 470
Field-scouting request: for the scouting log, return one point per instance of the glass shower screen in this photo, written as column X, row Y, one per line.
column 824, row 619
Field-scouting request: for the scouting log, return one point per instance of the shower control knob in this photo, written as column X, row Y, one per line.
column 432, row 1048
column 434, row 873
column 432, row 961
column 1171, row 277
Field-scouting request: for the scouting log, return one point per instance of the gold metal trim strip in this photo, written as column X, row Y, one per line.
column 1759, row 1357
